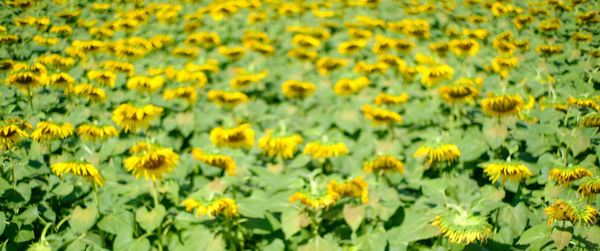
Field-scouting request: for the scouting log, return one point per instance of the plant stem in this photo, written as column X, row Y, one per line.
column 154, row 193
column 30, row 92
column 12, row 167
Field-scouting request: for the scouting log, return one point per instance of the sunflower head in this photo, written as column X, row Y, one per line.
column 11, row 134
column 463, row 227
column 237, row 137
column 294, row 89
column 507, row 171
column 153, row 163
column 282, row 146
column 569, row 211
column 85, row 170
column 502, row 106
column 217, row 160
column 568, row 175
column 324, row 151
column 47, row 131
column 355, row 188
column 439, row 152
column 379, row 116
column 384, row 163
column 589, row 187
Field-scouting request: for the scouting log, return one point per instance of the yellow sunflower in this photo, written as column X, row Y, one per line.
column 221, row 207
column 85, row 170
column 95, row 133
column 567, row 211
column 227, row 99
column 387, row 99
column 47, row 131
column 145, row 84
column 502, row 106
column 507, row 171
column 568, row 175
column 130, row 117
column 188, row 93
column 323, row 151
column 11, row 134
column 447, row 152
column 237, row 137
column 217, row 160
column 589, row 187
column 284, row 147
column 380, row 116
column 384, row 163
column 463, row 227
column 355, row 188
column 295, row 89
column 430, row 76
column 346, row 86
column 153, row 163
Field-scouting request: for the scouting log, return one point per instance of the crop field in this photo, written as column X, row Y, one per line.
column 299, row 125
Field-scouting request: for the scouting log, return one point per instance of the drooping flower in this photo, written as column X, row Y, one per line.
column 130, row 117
column 103, row 78
column 445, row 152
column 386, row 163
column 188, row 93
column 227, row 99
column 153, row 163
column 85, row 170
column 567, row 211
column 306, row 41
column 504, row 65
column 502, row 106
column 221, row 207
column 549, row 50
column 303, row 54
column 233, row 53
column 387, row 99
column 507, row 171
column 347, row 86
column 590, row 187
column 430, row 76
column 11, row 134
column 145, row 84
column 568, row 175
column 295, row 89
column 463, row 227
column 95, row 133
column 92, row 93
column 583, row 103
column 355, row 188
column 363, row 68
column 380, row 116
column 60, row 80
column 464, row 47
column 458, row 93
column 47, row 131
column 217, row 160
column 237, row 137
column 323, row 151
column 245, row 80
column 317, row 199
column 326, row 65
column 350, row 47
column 284, row 147
column 24, row 80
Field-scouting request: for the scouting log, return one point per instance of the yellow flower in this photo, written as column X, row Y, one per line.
column 91, row 46
column 360, row 34
column 567, row 211
column 386, row 99
column 234, row 53
column 346, row 86
column 204, row 39
column 425, row 60
column 464, row 47
column 325, row 65
column 384, row 163
column 392, row 61
column 188, row 93
column 130, row 117
column 409, row 73
column 255, row 18
column 9, row 39
column 189, row 53
column 306, row 41
column 430, row 76
column 117, row 66
column 11, row 134
column 583, row 103
column 45, row 41
column 284, row 147
column 145, row 84
column 221, row 207
column 589, row 187
column 521, row 21
column 447, row 152
column 85, row 170
column 25, row 80
column 580, row 37
column 507, row 170
column 237, row 137
column 245, row 80
column 458, row 93
column 95, row 133
column 228, row 99
column 297, row 90
column 549, row 50
column 591, row 121
column 47, row 131
column 480, row 34
column 303, row 54
column 217, row 160
column 324, row 151
column 568, row 175
column 380, row 116
column 463, row 227
column 440, row 48
column 6, row 65
column 549, row 25
column 502, row 106
column 92, row 93
column 153, row 163
column 350, row 47
column 403, row 46
column 325, row 201
column 355, row 188
column 103, row 78
column 590, row 17
column 37, row 68
column 60, row 80
column 504, row 65
column 362, row 67
column 55, row 60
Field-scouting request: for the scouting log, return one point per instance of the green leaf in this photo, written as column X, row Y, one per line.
column 372, row 241
column 318, row 244
column 562, row 237
column 292, row 221
column 2, row 222
column 117, row 223
column 83, row 219
column 25, row 234
column 354, row 215
column 535, row 233
column 150, row 220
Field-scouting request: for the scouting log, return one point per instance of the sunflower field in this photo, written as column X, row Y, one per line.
column 299, row 125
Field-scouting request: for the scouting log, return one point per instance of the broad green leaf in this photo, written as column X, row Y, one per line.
column 83, row 219
column 533, row 234
column 292, row 221
column 562, row 237
column 150, row 220
column 354, row 215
